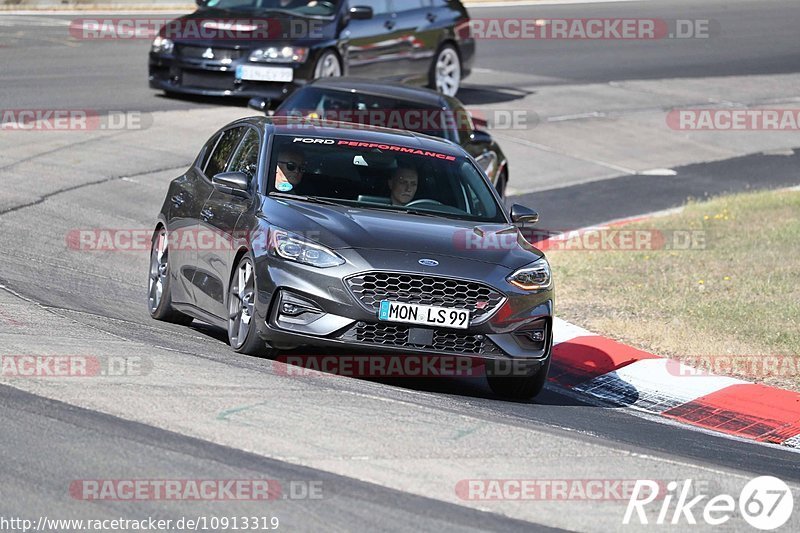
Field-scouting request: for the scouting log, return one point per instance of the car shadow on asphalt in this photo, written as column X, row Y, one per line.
column 472, row 95
column 227, row 101
column 573, row 364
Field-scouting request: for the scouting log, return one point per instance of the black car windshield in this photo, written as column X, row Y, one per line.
column 320, row 8
column 359, row 108
column 381, row 175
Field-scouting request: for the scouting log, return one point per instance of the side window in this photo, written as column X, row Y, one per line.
column 463, row 121
column 205, row 155
column 222, row 153
column 246, row 158
column 379, row 7
column 479, row 200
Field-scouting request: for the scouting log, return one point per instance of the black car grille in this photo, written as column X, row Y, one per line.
column 444, row 341
column 207, row 80
column 372, row 287
column 220, row 54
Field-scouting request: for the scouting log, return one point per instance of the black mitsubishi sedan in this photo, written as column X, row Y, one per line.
column 290, row 235
column 269, row 48
column 402, row 107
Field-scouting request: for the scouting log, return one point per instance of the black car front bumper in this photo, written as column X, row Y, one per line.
column 172, row 75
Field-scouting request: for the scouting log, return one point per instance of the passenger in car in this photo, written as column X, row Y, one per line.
column 289, row 174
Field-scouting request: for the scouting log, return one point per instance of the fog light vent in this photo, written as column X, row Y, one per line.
column 536, row 335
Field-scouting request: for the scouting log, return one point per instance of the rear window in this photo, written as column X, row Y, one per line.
column 326, row 104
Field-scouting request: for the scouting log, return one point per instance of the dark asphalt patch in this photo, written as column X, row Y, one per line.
column 592, row 203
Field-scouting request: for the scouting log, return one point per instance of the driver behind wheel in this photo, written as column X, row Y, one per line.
column 403, row 185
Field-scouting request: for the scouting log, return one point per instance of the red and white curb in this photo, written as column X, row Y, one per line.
column 617, row 374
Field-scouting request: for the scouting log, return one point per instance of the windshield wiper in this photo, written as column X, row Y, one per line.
column 312, row 199
column 400, row 209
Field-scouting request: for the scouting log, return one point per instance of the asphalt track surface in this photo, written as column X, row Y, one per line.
column 387, row 451
column 758, row 38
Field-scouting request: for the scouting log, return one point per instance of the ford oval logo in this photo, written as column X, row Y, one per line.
column 428, row 262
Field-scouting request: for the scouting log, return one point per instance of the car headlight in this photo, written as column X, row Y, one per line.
column 274, row 54
column 295, row 248
column 162, row 45
column 533, row 277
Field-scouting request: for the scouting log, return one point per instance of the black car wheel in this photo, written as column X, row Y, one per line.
column 328, row 66
column 445, row 73
column 242, row 334
column 159, row 298
column 517, row 387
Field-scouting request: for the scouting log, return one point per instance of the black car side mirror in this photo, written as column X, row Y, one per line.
column 259, row 104
column 480, row 137
column 237, row 183
column 523, row 215
column 361, row 13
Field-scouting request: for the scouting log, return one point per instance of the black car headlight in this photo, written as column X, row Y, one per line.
column 533, row 277
column 295, row 248
column 162, row 45
column 275, row 54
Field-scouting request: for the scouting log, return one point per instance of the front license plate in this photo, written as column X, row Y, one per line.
column 257, row 73
column 428, row 315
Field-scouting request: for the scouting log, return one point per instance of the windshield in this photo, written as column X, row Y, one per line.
column 382, row 176
column 327, row 104
column 319, row 8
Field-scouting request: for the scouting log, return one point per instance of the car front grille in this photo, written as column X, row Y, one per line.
column 201, row 53
column 207, row 80
column 372, row 287
column 444, row 341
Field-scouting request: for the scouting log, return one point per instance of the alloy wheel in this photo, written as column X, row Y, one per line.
column 159, row 270
column 241, row 304
column 448, row 72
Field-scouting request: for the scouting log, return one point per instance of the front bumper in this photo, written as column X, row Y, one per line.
column 344, row 322
column 210, row 78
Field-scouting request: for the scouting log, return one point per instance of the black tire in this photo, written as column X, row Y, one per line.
column 160, row 306
column 241, row 303
column 516, row 387
column 450, row 52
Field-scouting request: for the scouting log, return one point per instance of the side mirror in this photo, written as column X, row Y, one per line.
column 523, row 215
column 480, row 137
column 361, row 13
column 236, row 183
column 259, row 104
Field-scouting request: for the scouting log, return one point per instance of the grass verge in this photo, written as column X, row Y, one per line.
column 730, row 303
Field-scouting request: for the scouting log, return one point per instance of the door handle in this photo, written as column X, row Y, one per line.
column 178, row 200
column 206, row 215
column 389, row 24
column 431, row 17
